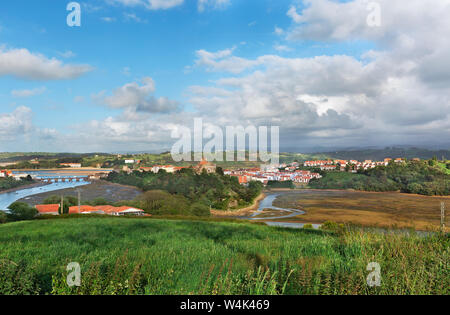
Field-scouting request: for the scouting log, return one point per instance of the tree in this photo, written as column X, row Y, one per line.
column 219, row 171
column 3, row 217
column 415, row 188
column 200, row 209
column 20, row 211
column 70, row 201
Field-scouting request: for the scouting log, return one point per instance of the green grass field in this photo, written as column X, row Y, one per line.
column 152, row 256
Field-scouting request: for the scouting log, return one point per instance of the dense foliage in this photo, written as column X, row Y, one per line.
column 392, row 152
column 20, row 211
column 9, row 182
column 187, row 192
column 425, row 178
column 147, row 256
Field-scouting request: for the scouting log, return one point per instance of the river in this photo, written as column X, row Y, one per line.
column 7, row 199
column 267, row 203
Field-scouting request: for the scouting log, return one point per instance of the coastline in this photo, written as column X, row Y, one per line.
column 240, row 212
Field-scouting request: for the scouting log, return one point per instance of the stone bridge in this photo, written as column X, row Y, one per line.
column 62, row 179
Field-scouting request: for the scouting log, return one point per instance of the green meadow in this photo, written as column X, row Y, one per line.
column 163, row 256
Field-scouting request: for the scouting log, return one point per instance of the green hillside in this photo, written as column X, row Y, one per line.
column 389, row 152
column 149, row 256
column 417, row 177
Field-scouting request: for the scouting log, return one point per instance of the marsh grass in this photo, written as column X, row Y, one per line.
column 135, row 256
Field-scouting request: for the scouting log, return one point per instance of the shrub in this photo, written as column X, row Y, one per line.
column 332, row 226
column 16, row 279
column 20, row 211
column 200, row 209
column 3, row 217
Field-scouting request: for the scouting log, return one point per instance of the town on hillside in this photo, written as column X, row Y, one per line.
column 295, row 172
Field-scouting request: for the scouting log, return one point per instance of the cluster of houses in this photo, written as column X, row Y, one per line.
column 7, row 173
column 281, row 173
column 156, row 168
column 53, row 209
column 199, row 168
column 351, row 165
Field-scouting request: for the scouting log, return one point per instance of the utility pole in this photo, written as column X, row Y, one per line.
column 443, row 217
column 62, row 204
column 79, row 200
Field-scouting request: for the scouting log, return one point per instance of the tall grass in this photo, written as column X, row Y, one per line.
column 135, row 256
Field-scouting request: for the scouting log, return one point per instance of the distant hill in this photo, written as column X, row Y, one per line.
column 165, row 158
column 26, row 156
column 380, row 154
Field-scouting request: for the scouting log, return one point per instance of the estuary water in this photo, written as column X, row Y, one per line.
column 8, row 198
column 267, row 203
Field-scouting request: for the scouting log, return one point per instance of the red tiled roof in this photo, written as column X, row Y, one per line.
column 53, row 208
column 76, row 209
column 106, row 209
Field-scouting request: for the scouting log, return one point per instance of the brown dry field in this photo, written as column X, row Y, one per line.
column 366, row 208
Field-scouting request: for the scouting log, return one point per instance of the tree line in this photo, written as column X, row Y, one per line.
column 417, row 177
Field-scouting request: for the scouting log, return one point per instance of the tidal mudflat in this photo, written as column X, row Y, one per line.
column 388, row 209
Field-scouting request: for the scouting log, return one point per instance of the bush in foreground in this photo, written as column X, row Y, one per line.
column 20, row 211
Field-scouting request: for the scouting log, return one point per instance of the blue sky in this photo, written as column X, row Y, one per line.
column 121, row 42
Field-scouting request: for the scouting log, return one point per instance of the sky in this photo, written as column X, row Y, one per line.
column 330, row 74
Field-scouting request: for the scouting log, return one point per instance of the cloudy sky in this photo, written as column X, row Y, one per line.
column 331, row 74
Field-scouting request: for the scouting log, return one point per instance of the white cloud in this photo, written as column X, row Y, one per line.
column 137, row 100
column 126, row 71
column 223, row 61
column 329, row 100
column 28, row 93
column 282, row 48
column 23, row 64
column 133, row 17
column 91, row 8
column 67, row 54
column 278, row 30
column 169, row 4
column 150, row 4
column 214, row 4
column 15, row 124
column 108, row 19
